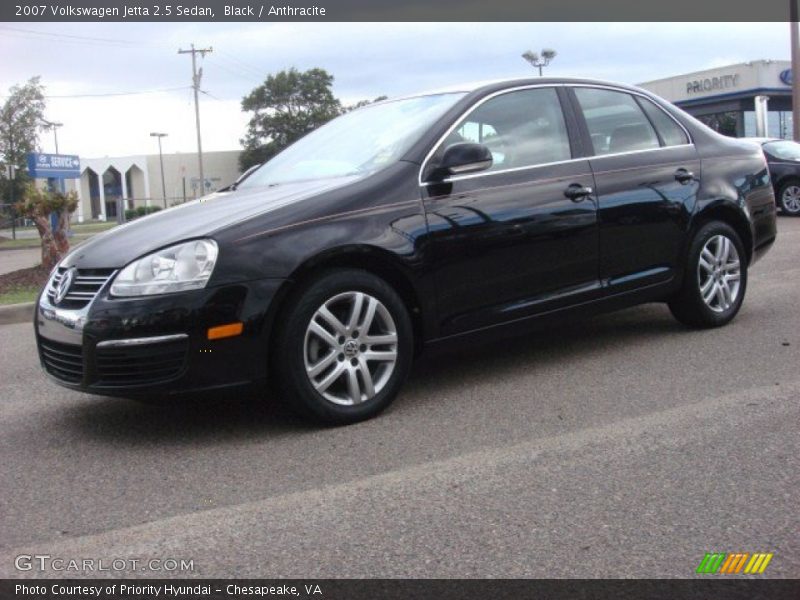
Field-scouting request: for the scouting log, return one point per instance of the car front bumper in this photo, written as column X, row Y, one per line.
column 158, row 345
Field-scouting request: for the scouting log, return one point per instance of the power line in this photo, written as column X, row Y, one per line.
column 257, row 71
column 239, row 74
column 73, row 38
column 110, row 94
column 210, row 95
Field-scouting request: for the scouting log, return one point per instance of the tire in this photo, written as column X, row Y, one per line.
column 715, row 278
column 789, row 197
column 320, row 351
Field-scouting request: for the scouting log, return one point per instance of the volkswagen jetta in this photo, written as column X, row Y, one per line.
column 407, row 223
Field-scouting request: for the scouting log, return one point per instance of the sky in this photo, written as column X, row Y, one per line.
column 95, row 60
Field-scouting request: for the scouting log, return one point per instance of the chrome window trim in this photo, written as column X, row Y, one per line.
column 158, row 339
column 472, row 108
column 641, row 95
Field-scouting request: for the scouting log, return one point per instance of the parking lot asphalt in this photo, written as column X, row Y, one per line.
column 622, row 446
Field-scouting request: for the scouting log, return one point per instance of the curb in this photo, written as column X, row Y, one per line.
column 20, row 248
column 16, row 313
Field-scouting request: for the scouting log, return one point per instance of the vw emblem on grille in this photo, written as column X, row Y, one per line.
column 63, row 286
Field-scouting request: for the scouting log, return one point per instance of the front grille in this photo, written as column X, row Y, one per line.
column 140, row 365
column 62, row 361
column 84, row 288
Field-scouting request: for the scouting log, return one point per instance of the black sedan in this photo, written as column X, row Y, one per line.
column 410, row 223
column 783, row 159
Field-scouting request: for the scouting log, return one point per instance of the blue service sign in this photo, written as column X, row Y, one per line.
column 786, row 76
column 58, row 166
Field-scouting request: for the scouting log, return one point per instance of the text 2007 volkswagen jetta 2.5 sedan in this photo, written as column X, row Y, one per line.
column 411, row 222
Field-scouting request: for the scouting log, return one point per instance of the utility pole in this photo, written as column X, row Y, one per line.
column 11, row 173
column 196, row 77
column 793, row 23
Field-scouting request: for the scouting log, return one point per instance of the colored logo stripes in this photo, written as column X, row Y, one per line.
column 736, row 562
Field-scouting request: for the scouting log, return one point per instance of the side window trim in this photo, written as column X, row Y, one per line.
column 464, row 115
column 623, row 94
column 587, row 140
column 644, row 102
column 581, row 130
column 640, row 103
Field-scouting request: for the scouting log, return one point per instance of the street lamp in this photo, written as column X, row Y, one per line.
column 538, row 62
column 161, row 161
column 54, row 126
column 11, row 175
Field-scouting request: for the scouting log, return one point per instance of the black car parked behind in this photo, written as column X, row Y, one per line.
column 783, row 160
column 408, row 223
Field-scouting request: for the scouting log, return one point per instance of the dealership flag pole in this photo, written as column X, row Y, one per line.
column 196, row 77
column 794, row 17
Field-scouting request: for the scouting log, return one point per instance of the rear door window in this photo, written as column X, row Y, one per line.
column 671, row 133
column 616, row 122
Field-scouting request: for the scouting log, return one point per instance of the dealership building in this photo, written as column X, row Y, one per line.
column 742, row 100
column 110, row 184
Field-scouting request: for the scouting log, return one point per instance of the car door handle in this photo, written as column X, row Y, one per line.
column 684, row 176
column 577, row 192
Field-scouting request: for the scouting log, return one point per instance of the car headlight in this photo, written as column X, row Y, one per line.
column 186, row 266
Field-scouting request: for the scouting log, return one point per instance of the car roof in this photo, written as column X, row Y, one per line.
column 498, row 84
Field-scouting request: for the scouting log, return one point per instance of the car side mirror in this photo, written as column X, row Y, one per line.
column 465, row 157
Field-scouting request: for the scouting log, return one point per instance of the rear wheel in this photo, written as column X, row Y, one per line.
column 715, row 279
column 789, row 197
column 345, row 347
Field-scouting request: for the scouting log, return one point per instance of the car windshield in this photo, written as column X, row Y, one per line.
column 784, row 150
column 359, row 142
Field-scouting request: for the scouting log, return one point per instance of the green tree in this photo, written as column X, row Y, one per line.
column 285, row 107
column 20, row 120
column 37, row 204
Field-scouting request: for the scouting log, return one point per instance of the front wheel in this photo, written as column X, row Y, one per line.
column 715, row 279
column 345, row 347
column 789, row 198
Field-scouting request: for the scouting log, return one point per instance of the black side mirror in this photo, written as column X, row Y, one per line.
column 465, row 157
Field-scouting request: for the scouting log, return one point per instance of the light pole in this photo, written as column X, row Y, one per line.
column 61, row 183
column 54, row 126
column 161, row 162
column 794, row 17
column 11, row 174
column 537, row 61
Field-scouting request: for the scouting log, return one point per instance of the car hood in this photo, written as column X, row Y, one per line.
column 198, row 218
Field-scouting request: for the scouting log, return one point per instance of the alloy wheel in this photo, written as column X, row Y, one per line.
column 719, row 273
column 790, row 199
column 350, row 348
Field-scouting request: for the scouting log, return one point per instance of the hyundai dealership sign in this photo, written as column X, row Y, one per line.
column 769, row 77
column 57, row 166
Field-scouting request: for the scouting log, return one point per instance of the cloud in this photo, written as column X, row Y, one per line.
column 367, row 60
